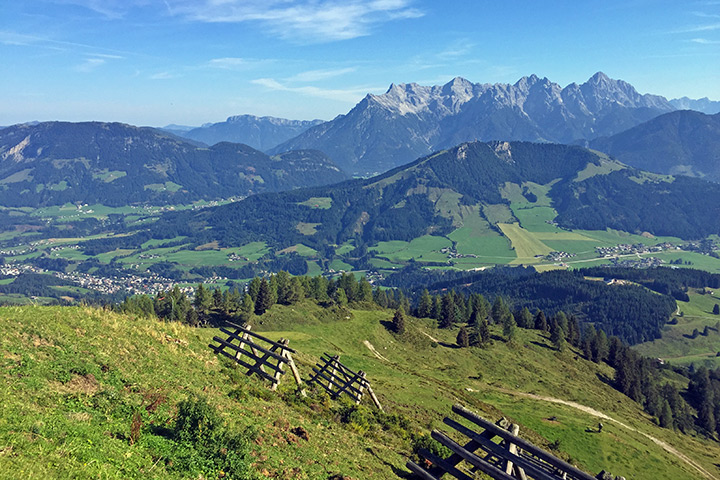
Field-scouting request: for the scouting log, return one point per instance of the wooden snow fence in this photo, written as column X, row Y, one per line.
column 260, row 355
column 513, row 458
column 337, row 379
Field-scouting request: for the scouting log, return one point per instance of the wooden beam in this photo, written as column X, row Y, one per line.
column 244, row 364
column 329, row 389
column 255, row 345
column 235, row 348
column 442, row 466
column 420, row 472
column 512, row 448
column 535, row 471
column 355, row 390
column 524, row 444
column 256, row 335
column 471, row 458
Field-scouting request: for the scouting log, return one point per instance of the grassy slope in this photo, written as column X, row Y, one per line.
column 73, row 377
column 677, row 345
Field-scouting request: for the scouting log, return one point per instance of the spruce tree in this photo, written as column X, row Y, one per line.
column 398, row 321
column 462, row 338
column 202, row 299
column 425, row 306
column 716, row 309
column 540, row 321
column 557, row 336
column 509, row 327
column 525, row 319
column 264, row 297
column 447, row 312
column 340, row 297
column 665, row 419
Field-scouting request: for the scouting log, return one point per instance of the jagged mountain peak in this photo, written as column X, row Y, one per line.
column 411, row 120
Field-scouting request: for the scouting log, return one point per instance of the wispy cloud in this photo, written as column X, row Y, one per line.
column 163, row 76
column 352, row 94
column 237, row 63
column 302, row 20
column 317, row 75
column 94, row 61
column 20, row 39
column 708, row 27
column 705, row 41
column 90, row 64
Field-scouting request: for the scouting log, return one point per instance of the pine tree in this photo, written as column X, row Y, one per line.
column 365, row 291
column 447, row 312
column 557, row 336
column 425, row 306
column 202, row 299
column 247, row 308
column 500, row 311
column 254, row 288
column 217, row 299
column 525, row 319
column 666, row 417
column 264, row 297
column 540, row 321
column 483, row 330
column 509, row 327
column 398, row 322
column 340, row 297
column 462, row 338
column 716, row 309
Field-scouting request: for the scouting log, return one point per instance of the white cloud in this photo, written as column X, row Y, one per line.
column 90, row 64
column 341, row 95
column 317, row 75
column 163, row 76
column 301, row 20
column 705, row 41
column 699, row 28
column 237, row 63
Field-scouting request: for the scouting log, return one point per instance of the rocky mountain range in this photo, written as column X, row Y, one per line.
column 411, row 120
column 684, row 142
column 261, row 133
column 704, row 105
column 53, row 163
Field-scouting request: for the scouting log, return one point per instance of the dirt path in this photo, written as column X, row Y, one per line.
column 430, row 337
column 591, row 411
column 375, row 352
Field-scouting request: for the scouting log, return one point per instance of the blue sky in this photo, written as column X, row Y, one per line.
column 155, row 62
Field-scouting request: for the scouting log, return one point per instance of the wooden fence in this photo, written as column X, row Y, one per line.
column 337, row 379
column 514, row 458
column 257, row 353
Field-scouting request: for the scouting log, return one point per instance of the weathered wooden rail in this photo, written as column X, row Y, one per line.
column 337, row 379
column 250, row 353
column 514, row 458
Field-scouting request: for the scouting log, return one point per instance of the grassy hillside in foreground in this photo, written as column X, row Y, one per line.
column 74, row 378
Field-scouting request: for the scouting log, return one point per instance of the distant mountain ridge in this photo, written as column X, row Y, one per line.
column 684, row 142
column 260, row 133
column 704, row 105
column 466, row 185
column 53, row 163
column 410, row 120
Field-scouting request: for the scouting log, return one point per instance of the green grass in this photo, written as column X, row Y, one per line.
column 606, row 166
column 77, row 376
column 424, row 249
column 322, row 203
column 535, row 219
column 676, row 345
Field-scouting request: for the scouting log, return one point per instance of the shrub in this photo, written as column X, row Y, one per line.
column 204, row 446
